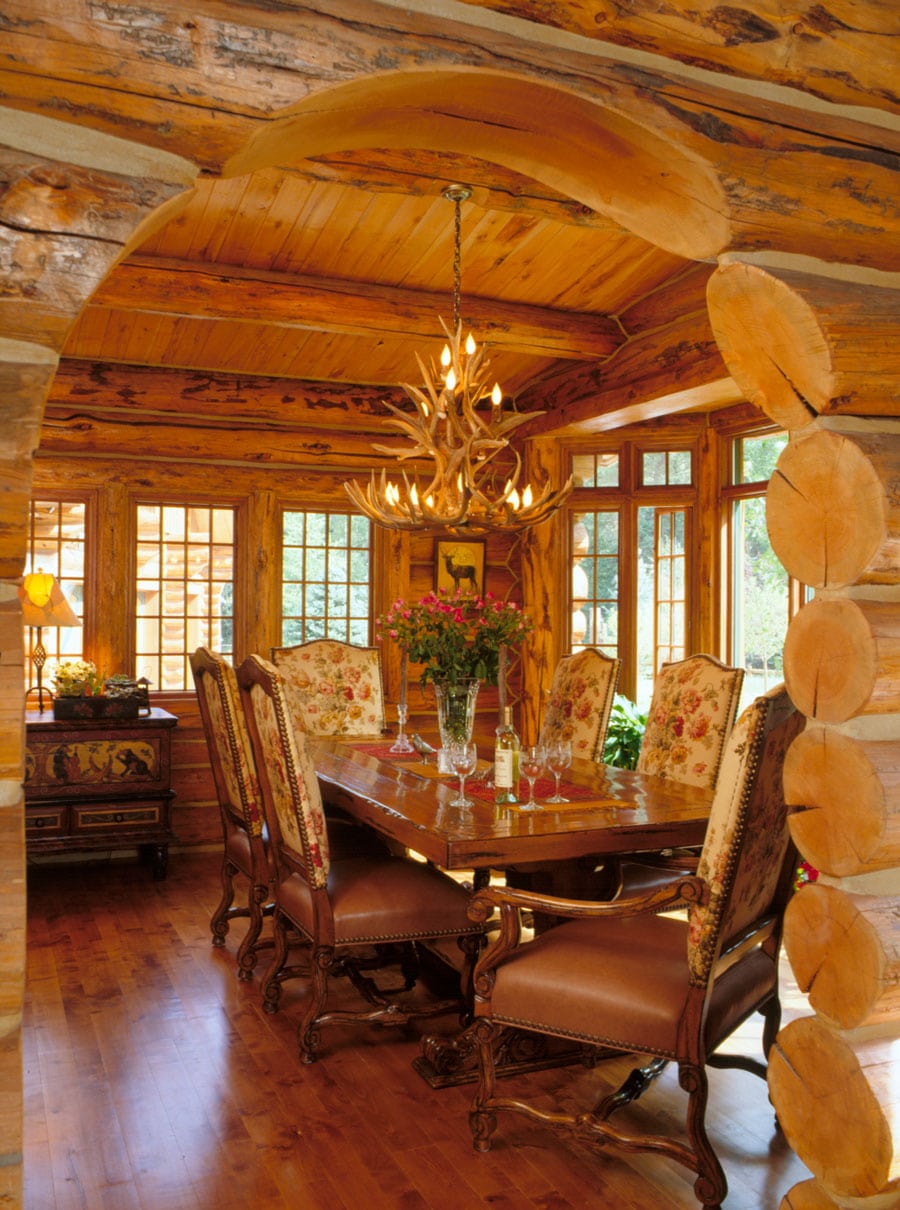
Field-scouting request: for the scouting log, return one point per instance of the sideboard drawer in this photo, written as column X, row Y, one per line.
column 118, row 817
column 49, row 820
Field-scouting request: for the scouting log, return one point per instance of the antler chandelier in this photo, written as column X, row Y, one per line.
column 474, row 484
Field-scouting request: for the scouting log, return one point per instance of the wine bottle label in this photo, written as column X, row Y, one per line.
column 503, row 768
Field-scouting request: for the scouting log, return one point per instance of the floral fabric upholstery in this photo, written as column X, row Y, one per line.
column 580, row 702
column 333, row 688
column 228, row 740
column 690, row 718
column 289, row 773
column 747, row 836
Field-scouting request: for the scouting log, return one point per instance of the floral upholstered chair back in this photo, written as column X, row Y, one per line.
column 747, row 850
column 333, row 688
column 690, row 718
column 290, row 789
column 580, row 702
column 230, row 754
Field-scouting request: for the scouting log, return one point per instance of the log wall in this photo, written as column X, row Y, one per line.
column 796, row 343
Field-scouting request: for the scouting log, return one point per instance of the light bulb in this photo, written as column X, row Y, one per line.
column 527, row 496
column 451, row 380
column 470, row 345
column 414, row 496
column 445, row 356
column 496, row 395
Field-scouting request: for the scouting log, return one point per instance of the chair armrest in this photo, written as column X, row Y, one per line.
column 512, row 902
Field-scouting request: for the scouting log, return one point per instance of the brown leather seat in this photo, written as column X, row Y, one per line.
column 620, row 975
column 337, row 906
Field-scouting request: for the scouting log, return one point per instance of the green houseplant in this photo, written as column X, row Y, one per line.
column 626, row 731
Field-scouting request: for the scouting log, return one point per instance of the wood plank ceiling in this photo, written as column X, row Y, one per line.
column 339, row 271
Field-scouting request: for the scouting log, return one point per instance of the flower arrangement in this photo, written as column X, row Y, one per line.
column 77, row 678
column 455, row 636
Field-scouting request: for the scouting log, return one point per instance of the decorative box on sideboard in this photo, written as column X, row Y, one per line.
column 93, row 785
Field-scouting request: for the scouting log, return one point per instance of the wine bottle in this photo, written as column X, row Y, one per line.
column 506, row 760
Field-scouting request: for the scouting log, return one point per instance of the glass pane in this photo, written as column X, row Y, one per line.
column 760, row 595
column 654, row 469
column 593, row 588
column 680, row 466
column 756, row 456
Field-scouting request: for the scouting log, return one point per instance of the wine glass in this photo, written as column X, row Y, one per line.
column 463, row 759
column 531, row 764
column 559, row 758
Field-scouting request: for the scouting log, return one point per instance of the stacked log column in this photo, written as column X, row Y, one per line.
column 821, row 355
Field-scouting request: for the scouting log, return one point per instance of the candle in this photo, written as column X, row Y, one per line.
column 403, row 662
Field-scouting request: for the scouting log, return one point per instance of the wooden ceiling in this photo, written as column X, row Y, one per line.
column 339, row 271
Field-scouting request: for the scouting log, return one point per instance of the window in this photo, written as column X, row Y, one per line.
column 185, row 560
column 631, row 552
column 663, row 468
column 56, row 538
column 760, row 591
column 326, row 587
column 595, row 582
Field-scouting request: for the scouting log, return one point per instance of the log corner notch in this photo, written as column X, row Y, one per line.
column 802, row 346
column 833, row 508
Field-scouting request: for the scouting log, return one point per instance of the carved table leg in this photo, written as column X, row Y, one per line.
column 447, row 1061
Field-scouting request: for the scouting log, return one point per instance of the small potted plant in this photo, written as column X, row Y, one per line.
column 81, row 692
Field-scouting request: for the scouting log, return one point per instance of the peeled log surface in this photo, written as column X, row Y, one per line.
column 833, row 509
column 809, row 1195
column 842, row 658
column 836, row 1097
column 844, row 951
column 844, row 796
column 801, row 345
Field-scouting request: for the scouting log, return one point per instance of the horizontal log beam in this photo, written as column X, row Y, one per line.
column 184, row 288
column 184, row 396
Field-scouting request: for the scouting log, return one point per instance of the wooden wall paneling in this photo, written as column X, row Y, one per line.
column 704, row 602
column 257, row 595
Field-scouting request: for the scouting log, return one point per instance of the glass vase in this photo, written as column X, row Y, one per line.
column 456, row 713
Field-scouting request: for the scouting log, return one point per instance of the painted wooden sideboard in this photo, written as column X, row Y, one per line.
column 94, row 785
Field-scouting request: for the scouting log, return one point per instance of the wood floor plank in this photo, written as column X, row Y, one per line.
column 155, row 1081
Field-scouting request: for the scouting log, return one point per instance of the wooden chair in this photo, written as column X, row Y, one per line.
column 245, row 840
column 333, row 688
column 691, row 714
column 692, row 711
column 621, row 975
column 580, row 701
column 338, row 906
column 234, row 773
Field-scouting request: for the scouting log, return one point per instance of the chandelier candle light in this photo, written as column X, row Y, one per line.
column 474, row 486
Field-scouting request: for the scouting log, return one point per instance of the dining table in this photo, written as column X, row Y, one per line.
column 609, row 812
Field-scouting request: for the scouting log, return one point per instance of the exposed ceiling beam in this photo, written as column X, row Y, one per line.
column 174, row 287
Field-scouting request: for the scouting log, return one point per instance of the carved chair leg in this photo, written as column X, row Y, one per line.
column 482, row 1120
column 308, row 1033
column 710, row 1186
column 246, row 957
column 633, row 1086
column 219, row 921
column 271, row 988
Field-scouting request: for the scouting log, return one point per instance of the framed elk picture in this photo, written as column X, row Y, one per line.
column 459, row 563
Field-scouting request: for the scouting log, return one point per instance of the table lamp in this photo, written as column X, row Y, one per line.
column 43, row 604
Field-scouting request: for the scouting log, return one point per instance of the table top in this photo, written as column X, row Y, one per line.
column 631, row 812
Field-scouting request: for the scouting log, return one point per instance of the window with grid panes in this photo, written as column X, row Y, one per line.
column 595, row 581
column 761, row 595
column 326, row 588
column 184, row 589
column 56, row 545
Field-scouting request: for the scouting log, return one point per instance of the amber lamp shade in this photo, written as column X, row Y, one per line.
column 43, row 604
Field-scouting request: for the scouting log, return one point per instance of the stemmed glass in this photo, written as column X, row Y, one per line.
column 463, row 760
column 559, row 758
column 401, row 744
column 531, row 764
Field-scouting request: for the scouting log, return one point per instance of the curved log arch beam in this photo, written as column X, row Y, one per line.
column 657, row 190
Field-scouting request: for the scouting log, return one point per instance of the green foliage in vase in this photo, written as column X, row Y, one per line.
column 626, row 731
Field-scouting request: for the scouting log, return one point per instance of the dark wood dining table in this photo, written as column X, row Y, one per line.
column 407, row 801
column 622, row 812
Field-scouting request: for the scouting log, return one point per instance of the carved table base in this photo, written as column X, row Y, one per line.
column 447, row 1061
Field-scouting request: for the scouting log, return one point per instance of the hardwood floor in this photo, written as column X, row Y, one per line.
column 154, row 1081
